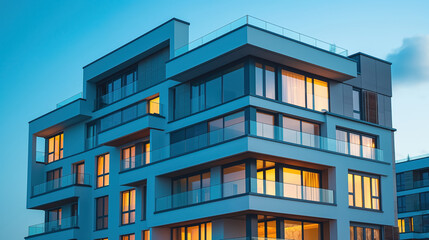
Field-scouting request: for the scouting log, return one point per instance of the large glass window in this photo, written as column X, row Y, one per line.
column 297, row 89
column 128, row 206
column 293, row 88
column 364, row 191
column 301, row 184
column 267, row 227
column 200, row 94
column 200, row 135
column 234, row 180
column 102, row 212
column 266, row 175
column 406, row 224
column 409, row 203
column 53, row 179
column 116, row 88
column 55, row 147
column 265, row 78
column 53, row 219
column 146, row 235
column 103, row 162
column 356, row 144
column 233, row 83
column 365, row 232
column 191, row 189
column 193, row 232
column 129, row 113
column 300, row 132
column 265, row 124
column 91, row 135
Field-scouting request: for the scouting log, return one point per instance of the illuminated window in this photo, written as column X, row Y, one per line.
column 301, row 184
column 129, row 157
column 55, row 147
column 102, row 212
column 154, row 106
column 364, row 191
column 364, row 232
column 401, row 225
column 103, row 162
column 356, row 144
column 266, row 175
column 128, row 209
column 308, row 92
column 267, row 227
column 146, row 235
column 301, row 132
column 128, row 237
column 406, row 224
column 193, row 232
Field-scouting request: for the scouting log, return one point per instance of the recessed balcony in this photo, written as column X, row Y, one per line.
column 62, row 182
column 239, row 187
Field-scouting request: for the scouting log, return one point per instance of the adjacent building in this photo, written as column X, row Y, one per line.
column 251, row 132
column 412, row 184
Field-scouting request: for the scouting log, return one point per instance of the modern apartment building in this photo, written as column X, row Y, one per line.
column 251, row 132
column 412, row 184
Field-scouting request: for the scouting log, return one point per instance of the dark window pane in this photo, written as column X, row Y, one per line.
column 214, row 92
column 182, row 101
column 234, row 125
column 233, row 84
column 371, row 107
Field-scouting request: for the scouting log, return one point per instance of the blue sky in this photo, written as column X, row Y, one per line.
column 45, row 44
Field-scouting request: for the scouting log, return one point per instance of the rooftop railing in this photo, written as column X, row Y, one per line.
column 249, row 20
column 70, row 99
column 65, row 181
column 53, row 226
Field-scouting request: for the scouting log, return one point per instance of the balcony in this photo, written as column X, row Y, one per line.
column 116, row 95
column 129, row 124
column 59, row 183
column 314, row 141
column 53, row 226
column 238, row 187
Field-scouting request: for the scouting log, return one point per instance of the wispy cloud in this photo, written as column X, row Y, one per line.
column 411, row 61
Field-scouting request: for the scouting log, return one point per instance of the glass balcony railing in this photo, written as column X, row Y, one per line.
column 65, row 181
column 413, row 184
column 135, row 161
column 293, row 191
column 257, row 186
column 201, row 195
column 116, row 95
column 53, row 226
column 314, row 141
column 249, row 20
column 70, row 99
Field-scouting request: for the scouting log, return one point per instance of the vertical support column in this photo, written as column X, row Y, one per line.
column 250, row 76
column 216, row 182
column 251, row 226
column 250, row 174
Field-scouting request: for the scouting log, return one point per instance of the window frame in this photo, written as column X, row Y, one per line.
column 129, row 235
column 193, row 225
column 60, row 148
column 360, row 112
column 104, row 173
column 129, row 211
column 103, row 216
column 364, row 227
column 372, row 197
column 361, row 134
column 112, row 78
